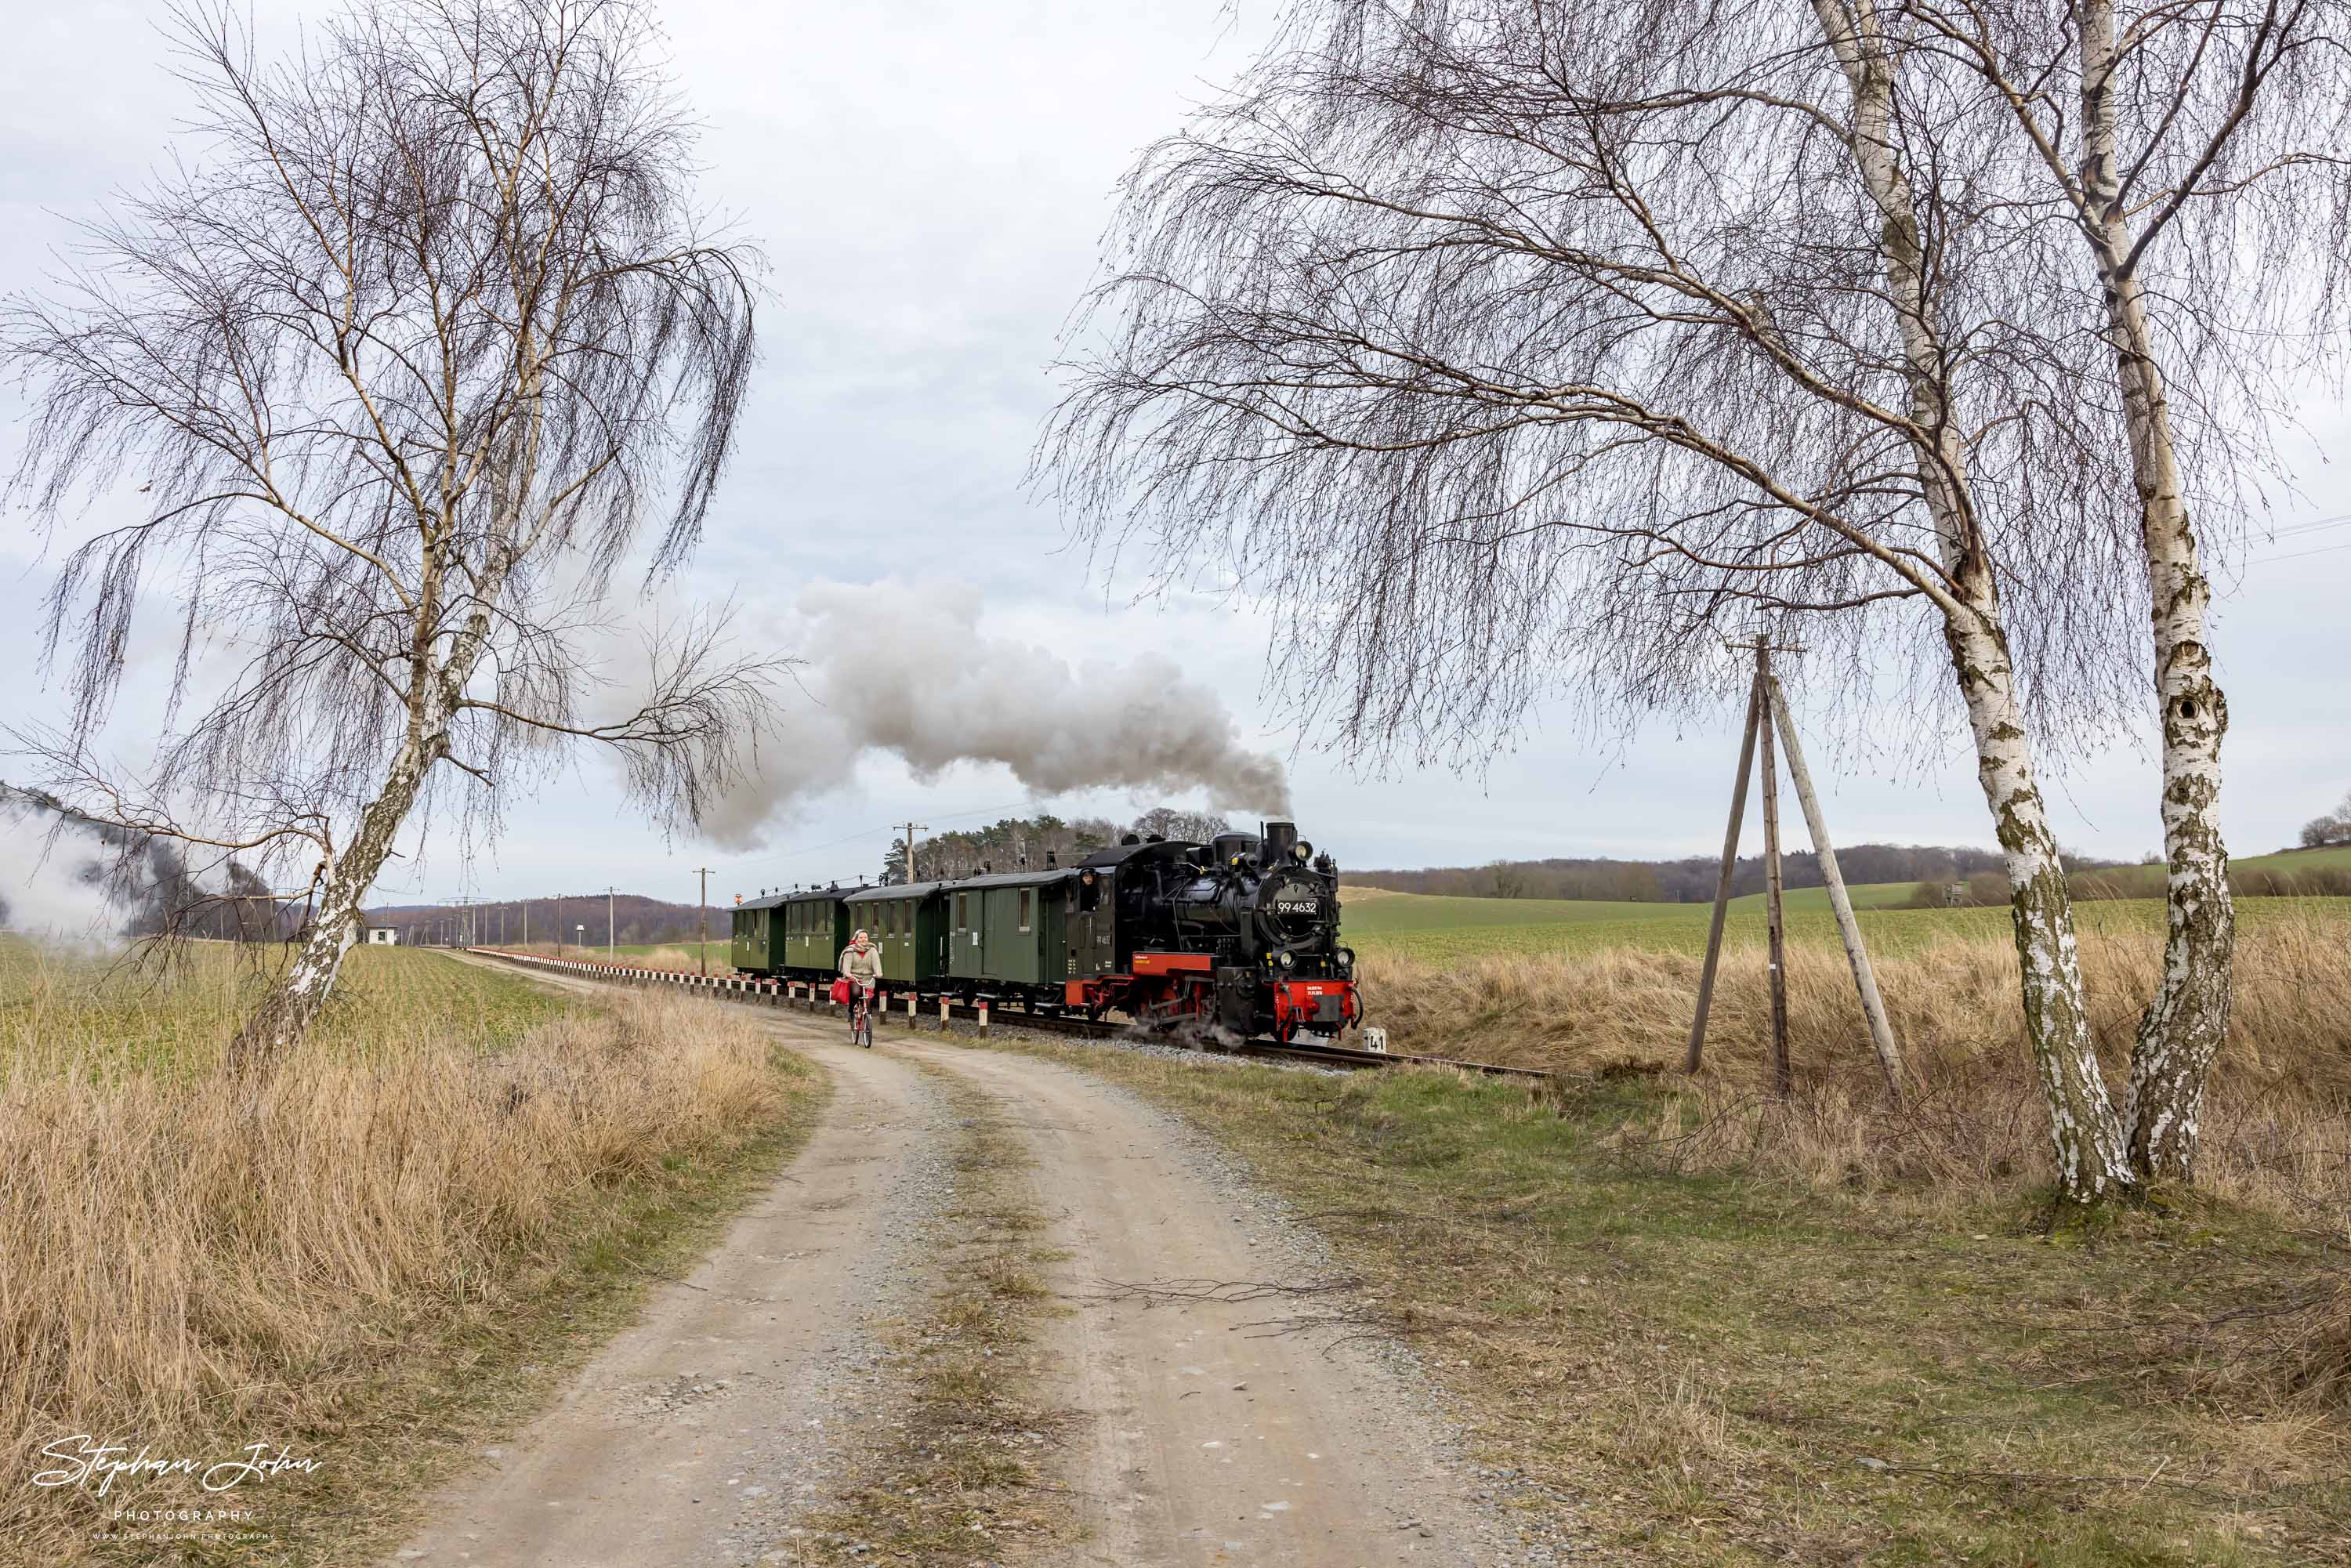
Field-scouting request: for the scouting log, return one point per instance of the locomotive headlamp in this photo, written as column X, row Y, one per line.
column 1289, row 961
column 1302, row 849
column 1346, row 962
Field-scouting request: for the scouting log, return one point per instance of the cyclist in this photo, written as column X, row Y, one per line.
column 861, row 962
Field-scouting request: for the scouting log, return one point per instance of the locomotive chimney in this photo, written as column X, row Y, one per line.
column 1278, row 838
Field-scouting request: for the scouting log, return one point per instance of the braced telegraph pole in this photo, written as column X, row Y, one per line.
column 1767, row 712
column 703, row 938
column 1865, row 977
column 1775, row 912
column 1722, row 884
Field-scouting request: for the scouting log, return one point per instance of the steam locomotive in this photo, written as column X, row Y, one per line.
column 1240, row 933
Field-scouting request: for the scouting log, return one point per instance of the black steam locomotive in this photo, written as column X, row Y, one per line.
column 1241, row 933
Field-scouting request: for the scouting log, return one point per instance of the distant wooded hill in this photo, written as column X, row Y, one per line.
column 1691, row 880
column 634, row 920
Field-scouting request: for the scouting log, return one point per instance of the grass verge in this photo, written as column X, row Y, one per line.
column 2275, row 1132
column 391, row 1252
column 1739, row 1368
column 957, row 1479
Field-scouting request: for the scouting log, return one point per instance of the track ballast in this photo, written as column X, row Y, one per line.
column 940, row 1011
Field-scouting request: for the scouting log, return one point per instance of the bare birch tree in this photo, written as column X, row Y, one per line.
column 2196, row 154
column 400, row 363
column 1522, row 349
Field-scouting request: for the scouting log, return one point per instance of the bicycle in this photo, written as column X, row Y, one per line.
column 861, row 1017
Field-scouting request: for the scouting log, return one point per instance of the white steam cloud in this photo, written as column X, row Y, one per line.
column 905, row 669
column 54, row 888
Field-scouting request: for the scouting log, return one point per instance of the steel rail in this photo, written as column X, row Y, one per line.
column 779, row 993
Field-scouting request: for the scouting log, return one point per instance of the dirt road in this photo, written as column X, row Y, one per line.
column 697, row 1435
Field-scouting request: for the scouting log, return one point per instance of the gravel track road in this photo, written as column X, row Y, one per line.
column 1208, row 1433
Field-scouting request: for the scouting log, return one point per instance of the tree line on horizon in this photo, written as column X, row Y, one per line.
column 1691, row 878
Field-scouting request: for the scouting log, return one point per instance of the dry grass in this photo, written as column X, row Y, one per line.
column 194, row 1266
column 2277, row 1131
column 663, row 957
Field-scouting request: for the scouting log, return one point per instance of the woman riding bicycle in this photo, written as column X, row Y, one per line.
column 861, row 963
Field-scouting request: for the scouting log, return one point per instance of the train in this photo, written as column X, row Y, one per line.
column 1239, row 933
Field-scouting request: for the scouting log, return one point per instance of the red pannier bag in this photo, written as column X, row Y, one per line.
column 841, row 990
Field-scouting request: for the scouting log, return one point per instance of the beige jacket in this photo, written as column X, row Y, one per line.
column 862, row 964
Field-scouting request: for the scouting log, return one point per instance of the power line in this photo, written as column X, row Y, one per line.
column 2316, row 524
column 2296, row 555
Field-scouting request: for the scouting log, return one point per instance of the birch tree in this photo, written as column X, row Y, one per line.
column 396, row 367
column 1524, row 349
column 2195, row 155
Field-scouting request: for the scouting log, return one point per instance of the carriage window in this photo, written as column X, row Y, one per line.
column 1024, row 909
column 963, row 911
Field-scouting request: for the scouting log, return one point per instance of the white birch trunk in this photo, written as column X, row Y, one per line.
column 294, row 1002
column 2182, row 1031
column 2086, row 1135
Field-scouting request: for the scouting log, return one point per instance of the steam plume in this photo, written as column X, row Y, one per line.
column 903, row 669
column 54, row 888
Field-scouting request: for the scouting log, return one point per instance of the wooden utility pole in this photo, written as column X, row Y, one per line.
column 1722, row 882
column 911, row 828
column 703, row 872
column 1774, row 914
column 1865, row 978
column 611, row 928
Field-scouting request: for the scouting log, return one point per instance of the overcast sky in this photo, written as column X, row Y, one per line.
column 930, row 181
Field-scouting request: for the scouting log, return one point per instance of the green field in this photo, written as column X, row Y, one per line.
column 1864, row 896
column 179, row 1009
column 2147, row 880
column 1416, row 925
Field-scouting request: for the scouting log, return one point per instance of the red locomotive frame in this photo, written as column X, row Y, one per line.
column 1173, row 988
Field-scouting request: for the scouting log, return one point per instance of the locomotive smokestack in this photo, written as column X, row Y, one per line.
column 1278, row 838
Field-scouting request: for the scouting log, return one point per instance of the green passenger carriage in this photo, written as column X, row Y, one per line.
column 908, row 923
column 799, row 934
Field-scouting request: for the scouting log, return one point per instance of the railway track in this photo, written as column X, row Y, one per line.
column 941, row 1011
